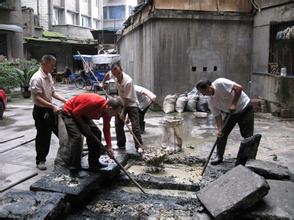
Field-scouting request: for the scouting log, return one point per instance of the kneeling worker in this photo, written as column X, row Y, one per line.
column 77, row 116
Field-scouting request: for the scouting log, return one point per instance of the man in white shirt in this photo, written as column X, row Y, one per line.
column 145, row 99
column 127, row 92
column 226, row 96
column 44, row 110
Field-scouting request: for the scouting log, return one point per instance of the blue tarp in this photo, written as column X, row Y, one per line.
column 98, row 59
column 87, row 58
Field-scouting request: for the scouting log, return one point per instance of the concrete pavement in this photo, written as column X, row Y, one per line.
column 277, row 142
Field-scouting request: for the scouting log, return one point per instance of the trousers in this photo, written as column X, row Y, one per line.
column 245, row 120
column 133, row 114
column 45, row 123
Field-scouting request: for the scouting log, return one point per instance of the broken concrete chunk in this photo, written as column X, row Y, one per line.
column 234, row 192
column 32, row 205
column 248, row 149
column 76, row 186
column 268, row 170
column 277, row 204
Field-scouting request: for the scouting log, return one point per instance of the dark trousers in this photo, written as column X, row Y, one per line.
column 75, row 140
column 245, row 120
column 133, row 114
column 45, row 123
column 142, row 117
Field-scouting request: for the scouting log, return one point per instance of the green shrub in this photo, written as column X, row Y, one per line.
column 17, row 73
column 8, row 76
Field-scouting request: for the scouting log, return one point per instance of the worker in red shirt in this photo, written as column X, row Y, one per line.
column 77, row 115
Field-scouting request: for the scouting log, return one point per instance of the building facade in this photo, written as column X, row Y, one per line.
column 73, row 18
column 11, row 32
column 272, row 51
column 115, row 12
column 169, row 45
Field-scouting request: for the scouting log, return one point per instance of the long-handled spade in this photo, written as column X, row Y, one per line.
column 215, row 143
column 115, row 160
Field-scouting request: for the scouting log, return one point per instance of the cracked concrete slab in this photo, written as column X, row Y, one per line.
column 233, row 193
column 12, row 174
column 268, row 170
column 79, row 185
column 32, row 205
column 277, row 204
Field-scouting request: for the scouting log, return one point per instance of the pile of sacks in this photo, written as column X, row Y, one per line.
column 192, row 102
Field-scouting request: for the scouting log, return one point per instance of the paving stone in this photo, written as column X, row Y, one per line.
column 32, row 205
column 277, row 204
column 79, row 185
column 268, row 170
column 12, row 174
column 234, row 192
column 248, row 149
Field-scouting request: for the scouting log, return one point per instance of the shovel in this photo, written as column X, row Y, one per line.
column 215, row 143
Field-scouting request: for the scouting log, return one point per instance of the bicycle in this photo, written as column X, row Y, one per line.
column 84, row 81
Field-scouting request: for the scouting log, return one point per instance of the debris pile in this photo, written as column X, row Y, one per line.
column 154, row 161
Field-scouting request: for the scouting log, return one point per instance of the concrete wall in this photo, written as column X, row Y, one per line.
column 28, row 22
column 162, row 53
column 275, row 89
column 265, row 85
column 73, row 32
column 261, row 32
column 14, row 39
column 207, row 5
column 42, row 11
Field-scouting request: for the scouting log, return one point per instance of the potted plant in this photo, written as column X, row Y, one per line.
column 24, row 70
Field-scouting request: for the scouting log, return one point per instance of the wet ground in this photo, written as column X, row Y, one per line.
column 171, row 191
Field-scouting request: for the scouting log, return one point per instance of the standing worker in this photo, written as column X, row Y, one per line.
column 77, row 116
column 228, row 97
column 145, row 99
column 44, row 110
column 127, row 92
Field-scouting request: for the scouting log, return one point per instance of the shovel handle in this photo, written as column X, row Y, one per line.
column 215, row 143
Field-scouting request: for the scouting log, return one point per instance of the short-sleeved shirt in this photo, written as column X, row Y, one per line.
column 90, row 106
column 42, row 84
column 223, row 96
column 126, row 90
column 143, row 99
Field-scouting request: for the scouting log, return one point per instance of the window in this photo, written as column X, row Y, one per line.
column 72, row 18
column 114, row 12
column 96, row 24
column 281, row 48
column 57, row 16
column 86, row 21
